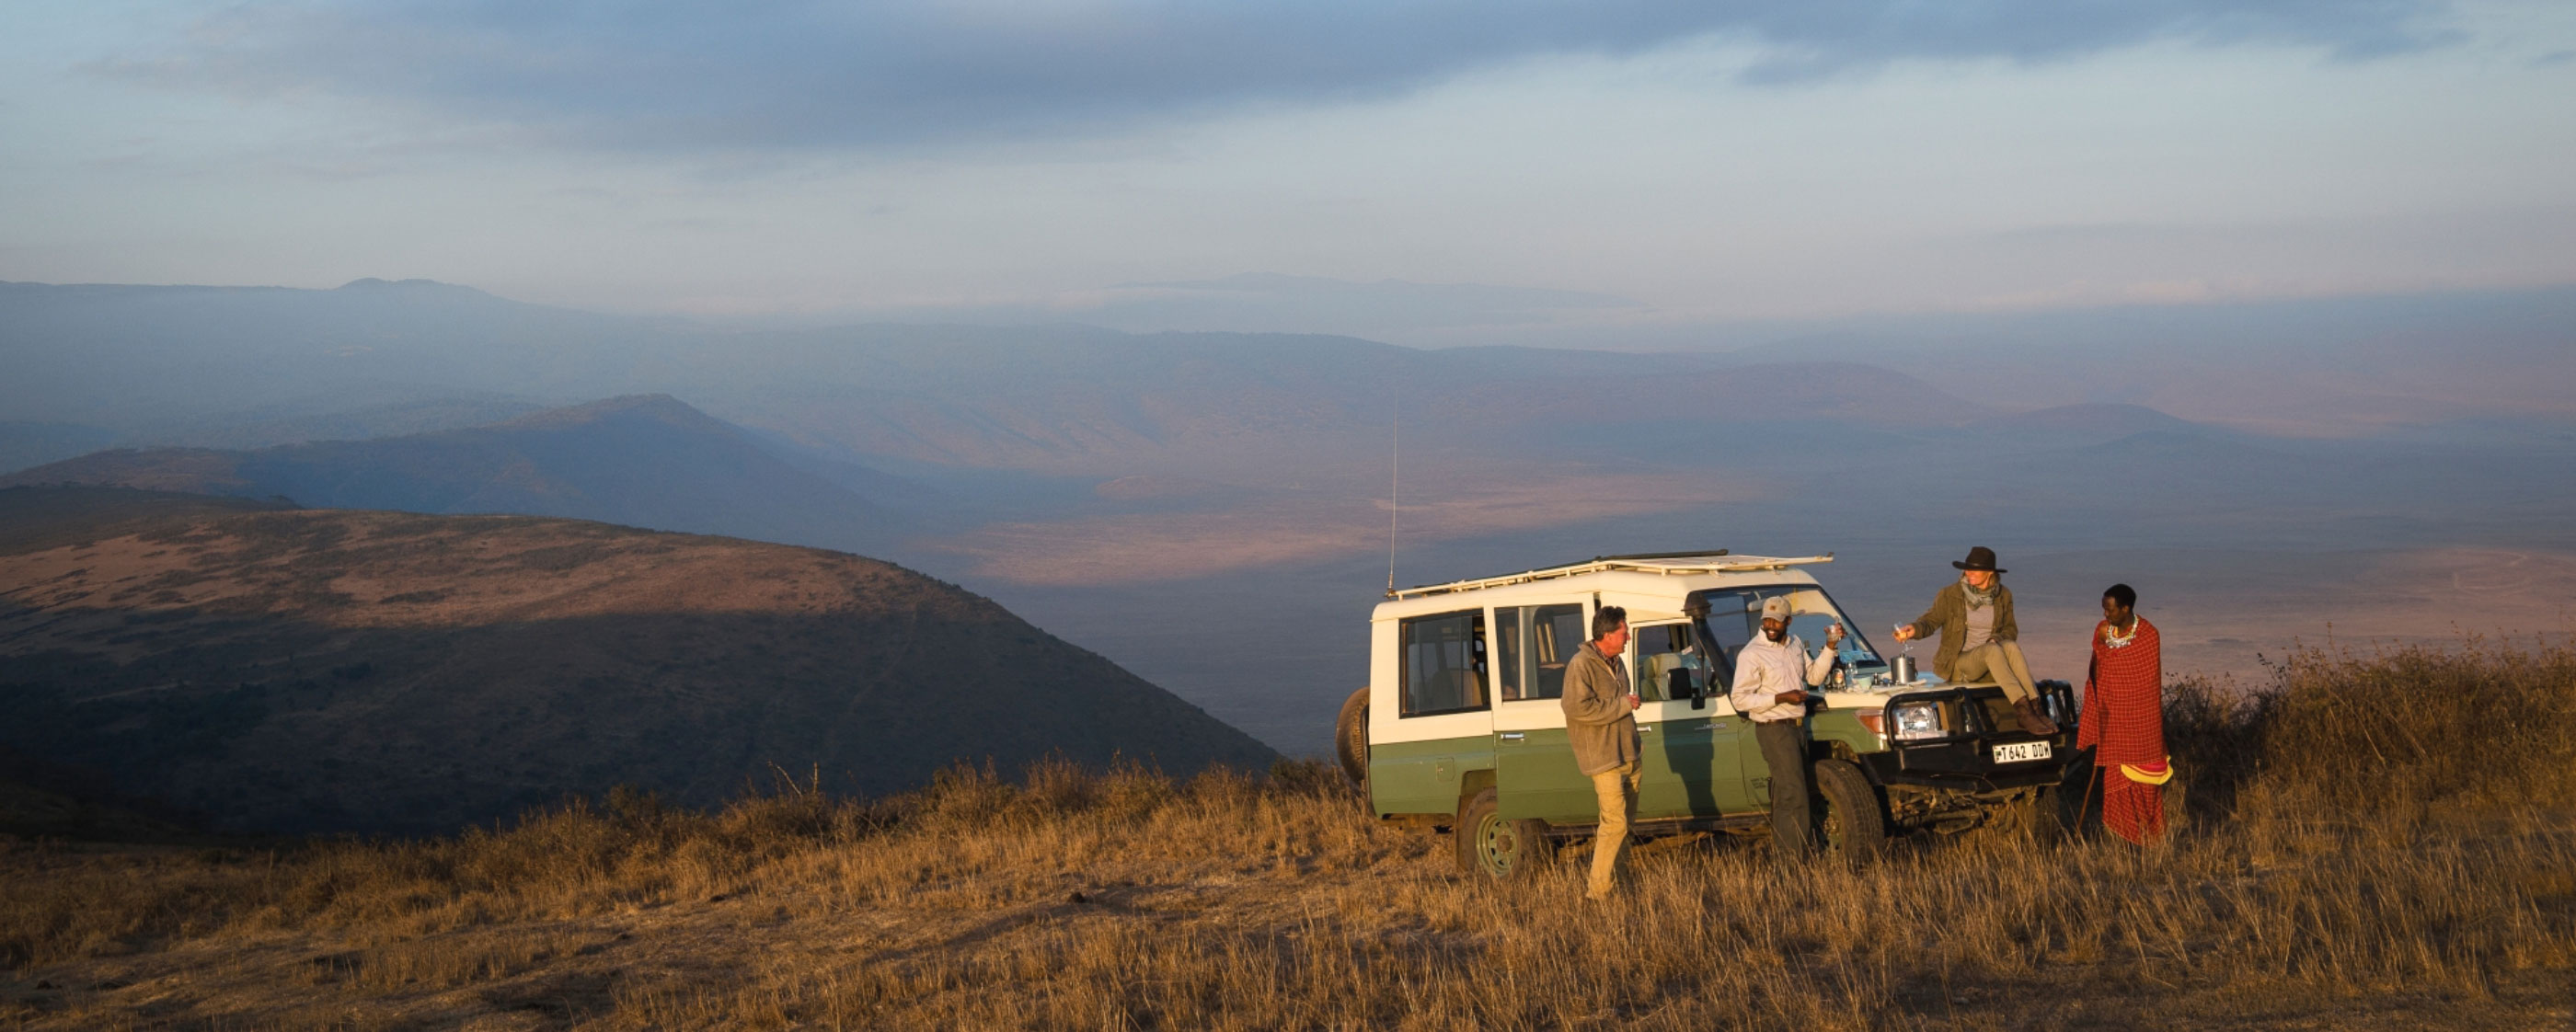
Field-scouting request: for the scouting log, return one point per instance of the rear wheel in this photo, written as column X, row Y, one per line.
column 1350, row 736
column 1498, row 848
column 1853, row 825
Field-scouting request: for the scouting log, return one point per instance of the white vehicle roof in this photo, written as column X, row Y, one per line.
column 1667, row 575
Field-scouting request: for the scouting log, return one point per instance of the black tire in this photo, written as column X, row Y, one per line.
column 1350, row 736
column 1497, row 848
column 1853, row 825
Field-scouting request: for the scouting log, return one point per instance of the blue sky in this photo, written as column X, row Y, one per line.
column 1627, row 163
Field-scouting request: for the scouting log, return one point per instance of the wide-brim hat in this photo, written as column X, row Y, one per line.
column 1979, row 558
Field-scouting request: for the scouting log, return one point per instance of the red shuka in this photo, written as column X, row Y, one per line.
column 2124, row 722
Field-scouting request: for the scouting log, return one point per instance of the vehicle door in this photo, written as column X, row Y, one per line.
column 1441, row 724
column 1679, row 729
column 1733, row 617
column 1534, row 770
column 1810, row 613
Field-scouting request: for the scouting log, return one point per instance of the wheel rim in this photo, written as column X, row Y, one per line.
column 1496, row 847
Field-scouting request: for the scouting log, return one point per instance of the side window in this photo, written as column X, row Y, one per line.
column 1733, row 618
column 1664, row 648
column 1444, row 663
column 1556, row 631
column 1534, row 644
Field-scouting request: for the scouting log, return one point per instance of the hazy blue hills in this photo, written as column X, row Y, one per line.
column 346, row 414
column 310, row 670
column 176, row 365
column 2094, row 422
column 33, row 444
column 648, row 461
column 225, row 366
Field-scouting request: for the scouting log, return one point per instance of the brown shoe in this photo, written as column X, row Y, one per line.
column 2031, row 720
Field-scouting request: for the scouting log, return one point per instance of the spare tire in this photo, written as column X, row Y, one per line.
column 1350, row 736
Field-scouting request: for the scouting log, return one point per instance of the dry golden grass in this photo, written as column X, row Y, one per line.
column 2375, row 842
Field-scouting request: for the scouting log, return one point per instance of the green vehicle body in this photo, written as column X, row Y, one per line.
column 1692, row 769
column 1701, row 769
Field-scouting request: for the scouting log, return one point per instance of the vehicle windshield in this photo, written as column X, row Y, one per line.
column 1735, row 615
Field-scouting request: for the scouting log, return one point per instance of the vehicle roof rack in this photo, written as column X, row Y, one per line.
column 1666, row 563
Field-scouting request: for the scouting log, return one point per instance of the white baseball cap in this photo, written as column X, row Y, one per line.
column 1776, row 607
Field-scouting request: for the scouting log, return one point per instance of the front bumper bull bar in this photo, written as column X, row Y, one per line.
column 1963, row 760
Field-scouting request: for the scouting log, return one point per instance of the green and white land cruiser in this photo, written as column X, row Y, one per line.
column 1460, row 725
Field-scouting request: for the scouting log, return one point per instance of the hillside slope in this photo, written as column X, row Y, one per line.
column 301, row 670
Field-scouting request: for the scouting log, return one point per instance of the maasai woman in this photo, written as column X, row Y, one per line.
column 2124, row 719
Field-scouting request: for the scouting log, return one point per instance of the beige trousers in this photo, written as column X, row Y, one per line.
column 2003, row 660
column 1617, row 789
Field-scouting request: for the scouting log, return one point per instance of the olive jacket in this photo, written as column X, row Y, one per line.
column 1949, row 615
column 1598, row 720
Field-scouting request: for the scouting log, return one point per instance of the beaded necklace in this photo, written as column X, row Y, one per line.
column 2112, row 637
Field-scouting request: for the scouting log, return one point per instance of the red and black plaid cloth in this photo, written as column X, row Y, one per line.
column 2124, row 723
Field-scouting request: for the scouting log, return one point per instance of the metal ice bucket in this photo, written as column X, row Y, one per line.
column 1901, row 669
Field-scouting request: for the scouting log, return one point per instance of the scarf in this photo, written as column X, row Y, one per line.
column 1980, row 599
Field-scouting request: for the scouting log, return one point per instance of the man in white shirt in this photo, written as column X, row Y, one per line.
column 1772, row 675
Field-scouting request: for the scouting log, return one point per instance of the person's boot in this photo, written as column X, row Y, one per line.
column 2032, row 722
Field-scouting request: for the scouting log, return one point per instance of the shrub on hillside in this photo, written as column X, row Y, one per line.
column 2481, row 723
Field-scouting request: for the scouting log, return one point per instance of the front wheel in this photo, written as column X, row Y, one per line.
column 1853, row 825
column 1495, row 847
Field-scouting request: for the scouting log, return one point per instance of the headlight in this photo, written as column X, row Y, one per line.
column 1916, row 720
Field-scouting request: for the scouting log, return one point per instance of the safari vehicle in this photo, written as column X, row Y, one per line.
column 1460, row 726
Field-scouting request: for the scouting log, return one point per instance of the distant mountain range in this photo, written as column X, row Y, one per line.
column 150, row 363
column 647, row 461
column 276, row 669
column 240, row 367
column 227, row 366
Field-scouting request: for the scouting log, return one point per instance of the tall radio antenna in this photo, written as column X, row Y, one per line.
column 1394, row 480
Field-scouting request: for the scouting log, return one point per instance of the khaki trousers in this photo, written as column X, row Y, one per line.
column 1617, row 789
column 1784, row 751
column 2003, row 660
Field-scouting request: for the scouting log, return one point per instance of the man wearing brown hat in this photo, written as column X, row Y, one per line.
column 1979, row 638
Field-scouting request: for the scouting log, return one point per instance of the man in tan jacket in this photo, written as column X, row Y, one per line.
column 1601, row 722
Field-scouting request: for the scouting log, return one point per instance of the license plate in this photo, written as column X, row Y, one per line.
column 2021, row 752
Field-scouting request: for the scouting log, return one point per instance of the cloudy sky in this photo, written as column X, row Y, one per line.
column 1151, row 163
